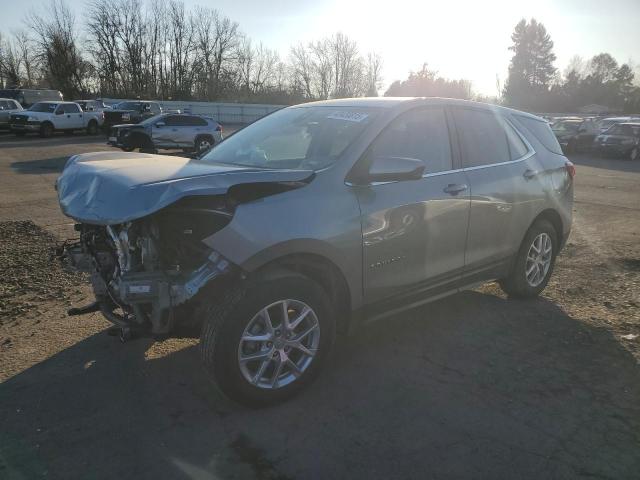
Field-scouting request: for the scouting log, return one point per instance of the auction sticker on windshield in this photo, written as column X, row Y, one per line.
column 348, row 116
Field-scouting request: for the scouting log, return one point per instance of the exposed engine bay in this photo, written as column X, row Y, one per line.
column 143, row 269
column 142, row 222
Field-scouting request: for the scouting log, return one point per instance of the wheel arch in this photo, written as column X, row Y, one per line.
column 323, row 271
column 555, row 219
column 138, row 139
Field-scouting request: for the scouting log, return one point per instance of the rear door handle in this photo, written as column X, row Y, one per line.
column 529, row 174
column 454, row 188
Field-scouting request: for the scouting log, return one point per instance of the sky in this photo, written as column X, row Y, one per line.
column 457, row 38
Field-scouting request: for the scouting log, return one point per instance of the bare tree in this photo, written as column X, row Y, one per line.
column 373, row 74
column 347, row 66
column 302, row 69
column 57, row 49
column 216, row 42
column 322, row 67
column 10, row 63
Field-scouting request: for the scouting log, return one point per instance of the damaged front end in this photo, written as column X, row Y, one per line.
column 142, row 271
column 142, row 220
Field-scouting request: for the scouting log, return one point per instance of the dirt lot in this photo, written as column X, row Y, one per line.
column 474, row 386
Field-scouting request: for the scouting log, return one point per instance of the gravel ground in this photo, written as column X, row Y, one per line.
column 31, row 277
column 473, row 386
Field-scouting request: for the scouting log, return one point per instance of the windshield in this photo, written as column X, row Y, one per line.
column 129, row 106
column 43, row 107
column 297, row 138
column 627, row 130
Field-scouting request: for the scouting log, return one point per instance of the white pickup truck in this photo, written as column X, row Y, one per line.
column 47, row 117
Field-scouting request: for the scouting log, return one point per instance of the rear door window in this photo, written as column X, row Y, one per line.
column 483, row 139
column 542, row 132
column 173, row 121
column 421, row 134
column 195, row 121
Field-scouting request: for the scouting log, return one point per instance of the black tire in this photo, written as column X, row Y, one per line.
column 203, row 143
column 516, row 284
column 127, row 149
column 146, row 145
column 225, row 320
column 46, row 130
column 92, row 127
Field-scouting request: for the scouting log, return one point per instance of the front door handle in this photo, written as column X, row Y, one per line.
column 455, row 188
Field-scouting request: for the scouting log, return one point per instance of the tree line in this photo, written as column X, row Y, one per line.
column 535, row 84
column 162, row 50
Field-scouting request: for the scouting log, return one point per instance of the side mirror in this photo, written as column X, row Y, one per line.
column 160, row 124
column 59, row 112
column 395, row 169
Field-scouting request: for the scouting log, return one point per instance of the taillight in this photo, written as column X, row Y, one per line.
column 571, row 169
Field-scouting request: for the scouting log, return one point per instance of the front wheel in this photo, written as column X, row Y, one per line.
column 46, row 130
column 534, row 262
column 264, row 343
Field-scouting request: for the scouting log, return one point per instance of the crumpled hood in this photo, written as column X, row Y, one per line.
column 107, row 188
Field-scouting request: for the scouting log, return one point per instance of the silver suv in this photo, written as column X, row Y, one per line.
column 314, row 220
column 167, row 131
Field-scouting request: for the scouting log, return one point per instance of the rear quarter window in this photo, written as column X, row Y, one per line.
column 542, row 131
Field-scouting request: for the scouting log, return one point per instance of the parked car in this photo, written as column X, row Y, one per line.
column 168, row 131
column 47, row 117
column 317, row 218
column 7, row 107
column 130, row 112
column 621, row 139
column 30, row 96
column 606, row 123
column 575, row 134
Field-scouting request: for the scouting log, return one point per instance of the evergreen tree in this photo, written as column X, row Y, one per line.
column 531, row 70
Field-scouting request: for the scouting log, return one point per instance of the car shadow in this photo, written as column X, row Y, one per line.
column 44, row 165
column 474, row 386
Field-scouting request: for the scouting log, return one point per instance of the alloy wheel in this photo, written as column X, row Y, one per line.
column 538, row 259
column 279, row 344
column 203, row 145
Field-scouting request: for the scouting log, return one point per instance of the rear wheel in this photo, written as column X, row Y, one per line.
column 203, row 143
column 46, row 130
column 534, row 262
column 92, row 128
column 263, row 344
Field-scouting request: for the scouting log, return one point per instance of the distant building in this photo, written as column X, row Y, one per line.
column 596, row 109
